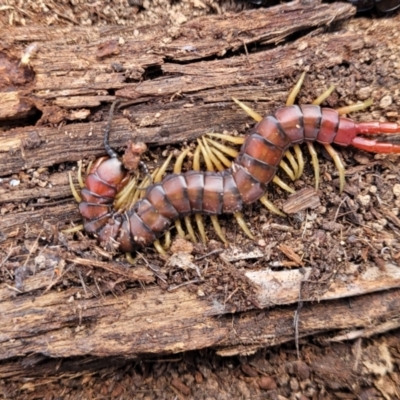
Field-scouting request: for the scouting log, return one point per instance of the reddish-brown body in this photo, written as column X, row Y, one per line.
column 214, row 193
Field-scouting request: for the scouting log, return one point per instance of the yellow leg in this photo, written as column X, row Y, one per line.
column 80, row 178
column 320, row 99
column 311, row 149
column 123, row 198
column 315, row 162
column 76, row 195
column 287, row 169
column 267, row 204
column 228, row 138
column 131, row 260
column 300, row 160
column 159, row 175
column 210, row 168
column 200, row 226
column 355, row 107
column 249, row 111
column 339, row 165
column 240, row 220
column 214, row 160
column 178, row 223
column 293, row 163
column 189, row 228
column 167, row 240
column 282, row 184
column 230, row 151
column 217, row 228
column 159, row 248
column 179, row 161
column 74, row 229
column 221, row 157
column 295, row 91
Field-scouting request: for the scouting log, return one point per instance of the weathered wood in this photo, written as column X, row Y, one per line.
column 181, row 101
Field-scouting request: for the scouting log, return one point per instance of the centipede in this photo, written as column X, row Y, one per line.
column 144, row 218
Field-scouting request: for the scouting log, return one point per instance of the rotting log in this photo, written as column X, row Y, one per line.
column 176, row 95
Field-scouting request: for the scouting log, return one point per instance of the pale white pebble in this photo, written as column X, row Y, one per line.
column 373, row 189
column 14, row 182
column 386, row 101
column 396, row 189
column 364, row 199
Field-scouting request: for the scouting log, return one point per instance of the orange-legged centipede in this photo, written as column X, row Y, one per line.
column 213, row 193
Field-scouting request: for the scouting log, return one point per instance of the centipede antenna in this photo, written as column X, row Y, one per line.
column 107, row 146
column 143, row 165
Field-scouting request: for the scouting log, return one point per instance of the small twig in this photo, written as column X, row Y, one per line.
column 216, row 251
column 172, row 288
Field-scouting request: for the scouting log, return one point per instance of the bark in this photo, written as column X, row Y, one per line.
column 179, row 83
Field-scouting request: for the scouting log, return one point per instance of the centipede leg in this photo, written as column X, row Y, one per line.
column 311, row 149
column 339, row 165
column 205, row 151
column 278, row 181
column 268, row 205
column 218, row 229
column 189, row 228
column 249, row 111
column 355, row 107
column 178, row 223
column 298, row 167
column 131, row 260
column 160, row 249
column 200, row 226
column 242, row 223
column 76, row 195
column 293, row 163
column 315, row 162
column 320, row 99
column 287, row 169
column 80, row 178
column 296, row 90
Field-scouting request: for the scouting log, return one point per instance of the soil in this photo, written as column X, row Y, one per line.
column 336, row 238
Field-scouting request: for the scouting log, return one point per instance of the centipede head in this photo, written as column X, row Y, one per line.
column 132, row 155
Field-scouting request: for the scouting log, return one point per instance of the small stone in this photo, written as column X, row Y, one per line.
column 302, row 370
column 386, row 101
column 373, row 189
column 396, row 189
column 364, row 93
column 294, row 384
column 364, row 199
column 266, row 383
column 249, row 371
